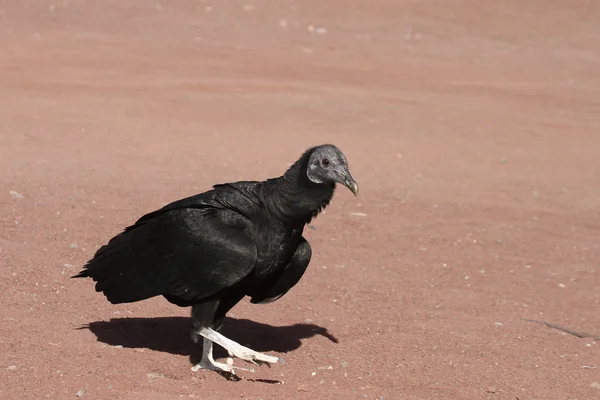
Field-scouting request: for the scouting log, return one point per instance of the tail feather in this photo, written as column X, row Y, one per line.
column 119, row 272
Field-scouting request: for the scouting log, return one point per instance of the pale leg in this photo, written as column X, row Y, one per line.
column 236, row 349
column 208, row 362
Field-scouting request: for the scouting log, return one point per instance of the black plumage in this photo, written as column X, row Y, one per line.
column 211, row 250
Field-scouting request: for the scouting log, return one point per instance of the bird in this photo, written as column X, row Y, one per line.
column 211, row 250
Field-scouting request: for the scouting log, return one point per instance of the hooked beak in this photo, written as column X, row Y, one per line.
column 351, row 184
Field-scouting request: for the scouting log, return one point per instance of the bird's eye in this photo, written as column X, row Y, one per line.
column 325, row 162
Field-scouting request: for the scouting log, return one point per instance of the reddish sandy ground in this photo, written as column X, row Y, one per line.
column 472, row 128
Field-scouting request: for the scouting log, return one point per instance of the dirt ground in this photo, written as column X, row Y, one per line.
column 472, row 128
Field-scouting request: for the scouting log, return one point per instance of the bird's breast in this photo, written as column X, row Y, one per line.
column 276, row 253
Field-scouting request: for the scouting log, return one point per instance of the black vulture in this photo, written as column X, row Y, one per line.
column 210, row 250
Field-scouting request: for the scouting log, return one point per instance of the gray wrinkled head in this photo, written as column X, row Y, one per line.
column 327, row 164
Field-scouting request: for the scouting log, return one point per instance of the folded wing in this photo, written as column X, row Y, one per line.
column 186, row 253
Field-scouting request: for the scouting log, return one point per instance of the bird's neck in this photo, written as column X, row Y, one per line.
column 296, row 199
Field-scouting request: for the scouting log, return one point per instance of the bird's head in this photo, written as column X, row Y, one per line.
column 327, row 164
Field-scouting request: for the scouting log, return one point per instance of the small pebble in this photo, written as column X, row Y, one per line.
column 358, row 214
column 73, row 245
column 562, row 285
column 498, row 323
column 118, row 346
column 595, row 385
column 11, row 367
column 16, row 194
column 229, row 361
column 79, row 393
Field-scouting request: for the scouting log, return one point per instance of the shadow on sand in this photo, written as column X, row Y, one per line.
column 172, row 335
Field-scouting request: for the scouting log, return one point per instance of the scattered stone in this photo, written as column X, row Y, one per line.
column 358, row 214
column 562, row 285
column 118, row 346
column 302, row 388
column 344, row 364
column 498, row 323
column 16, row 194
column 154, row 375
column 12, row 368
column 79, row 393
column 73, row 245
column 595, row 385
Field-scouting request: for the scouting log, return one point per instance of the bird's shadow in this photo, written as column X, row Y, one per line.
column 172, row 335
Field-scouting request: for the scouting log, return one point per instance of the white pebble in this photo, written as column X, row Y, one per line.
column 16, row 194
column 229, row 361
